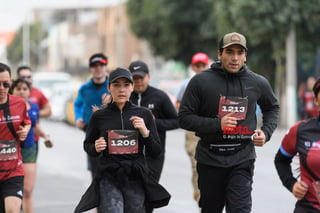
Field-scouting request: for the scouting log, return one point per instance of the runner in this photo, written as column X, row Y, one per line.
column 29, row 150
column 162, row 108
column 219, row 104
column 303, row 140
column 119, row 135
column 91, row 96
column 36, row 96
column 199, row 62
column 14, row 127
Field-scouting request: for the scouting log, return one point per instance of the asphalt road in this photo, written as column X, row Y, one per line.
column 62, row 176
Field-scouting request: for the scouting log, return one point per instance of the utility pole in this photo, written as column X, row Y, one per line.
column 291, row 77
column 26, row 41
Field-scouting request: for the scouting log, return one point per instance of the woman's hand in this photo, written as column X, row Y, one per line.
column 139, row 124
column 47, row 141
column 100, row 144
column 299, row 189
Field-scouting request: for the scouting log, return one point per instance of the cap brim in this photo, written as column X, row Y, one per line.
column 139, row 73
column 121, row 76
column 199, row 61
column 97, row 62
column 232, row 43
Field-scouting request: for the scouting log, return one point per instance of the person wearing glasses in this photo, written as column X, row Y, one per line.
column 199, row 62
column 14, row 127
column 36, row 95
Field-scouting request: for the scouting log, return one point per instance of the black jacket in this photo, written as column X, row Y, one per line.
column 162, row 108
column 200, row 108
column 111, row 118
column 121, row 167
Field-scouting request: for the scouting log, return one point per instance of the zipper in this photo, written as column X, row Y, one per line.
column 139, row 99
column 121, row 117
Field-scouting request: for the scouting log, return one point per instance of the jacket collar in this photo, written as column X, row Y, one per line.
column 216, row 66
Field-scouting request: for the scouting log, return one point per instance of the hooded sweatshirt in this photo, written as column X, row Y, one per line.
column 214, row 92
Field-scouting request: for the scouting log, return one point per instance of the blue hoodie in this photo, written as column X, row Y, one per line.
column 89, row 94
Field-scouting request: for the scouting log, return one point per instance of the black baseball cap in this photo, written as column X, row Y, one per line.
column 138, row 68
column 120, row 73
column 98, row 58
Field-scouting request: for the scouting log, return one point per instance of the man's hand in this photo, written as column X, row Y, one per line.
column 80, row 124
column 22, row 133
column 95, row 108
column 259, row 138
column 228, row 121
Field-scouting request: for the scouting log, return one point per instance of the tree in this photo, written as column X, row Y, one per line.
column 175, row 29
column 269, row 25
column 15, row 49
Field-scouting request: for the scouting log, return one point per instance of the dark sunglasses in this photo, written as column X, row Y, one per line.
column 24, row 77
column 5, row 84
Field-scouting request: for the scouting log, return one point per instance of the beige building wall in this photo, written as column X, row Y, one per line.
column 108, row 32
column 120, row 44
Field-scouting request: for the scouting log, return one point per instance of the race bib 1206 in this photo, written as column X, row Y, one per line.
column 123, row 142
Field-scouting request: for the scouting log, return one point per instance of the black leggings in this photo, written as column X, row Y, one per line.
column 126, row 198
column 226, row 187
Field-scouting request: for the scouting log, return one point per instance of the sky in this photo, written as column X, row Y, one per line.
column 14, row 12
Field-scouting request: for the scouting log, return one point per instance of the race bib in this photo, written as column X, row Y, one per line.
column 316, row 187
column 122, row 142
column 238, row 105
column 8, row 150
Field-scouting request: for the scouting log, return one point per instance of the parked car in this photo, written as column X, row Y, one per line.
column 70, row 116
column 62, row 92
column 58, row 88
column 171, row 87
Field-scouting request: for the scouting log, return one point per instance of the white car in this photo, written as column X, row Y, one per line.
column 58, row 87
